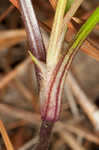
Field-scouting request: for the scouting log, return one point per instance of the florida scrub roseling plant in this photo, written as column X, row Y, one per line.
column 54, row 65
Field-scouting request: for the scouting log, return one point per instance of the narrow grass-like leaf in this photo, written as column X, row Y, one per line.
column 39, row 64
column 32, row 29
column 86, row 29
column 81, row 36
column 53, row 49
column 68, row 6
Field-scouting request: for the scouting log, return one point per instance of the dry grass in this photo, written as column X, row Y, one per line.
column 19, row 104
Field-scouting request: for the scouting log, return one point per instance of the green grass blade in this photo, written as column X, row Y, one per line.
column 68, row 5
column 86, row 29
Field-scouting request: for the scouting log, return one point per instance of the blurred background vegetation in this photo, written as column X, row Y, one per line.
column 19, row 103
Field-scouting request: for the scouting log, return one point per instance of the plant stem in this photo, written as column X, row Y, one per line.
column 53, row 49
column 32, row 29
column 35, row 40
column 45, row 134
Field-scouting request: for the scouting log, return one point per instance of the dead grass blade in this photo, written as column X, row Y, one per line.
column 82, row 132
column 53, row 3
column 11, row 75
column 20, row 114
column 9, row 10
column 15, row 3
column 68, row 138
column 5, row 137
column 10, row 38
column 86, row 104
column 90, row 50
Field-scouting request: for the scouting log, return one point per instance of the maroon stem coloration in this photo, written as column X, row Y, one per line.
column 45, row 134
column 37, row 48
column 35, row 40
column 32, row 29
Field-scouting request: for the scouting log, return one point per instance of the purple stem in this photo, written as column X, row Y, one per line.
column 33, row 32
column 37, row 48
column 45, row 134
column 32, row 29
